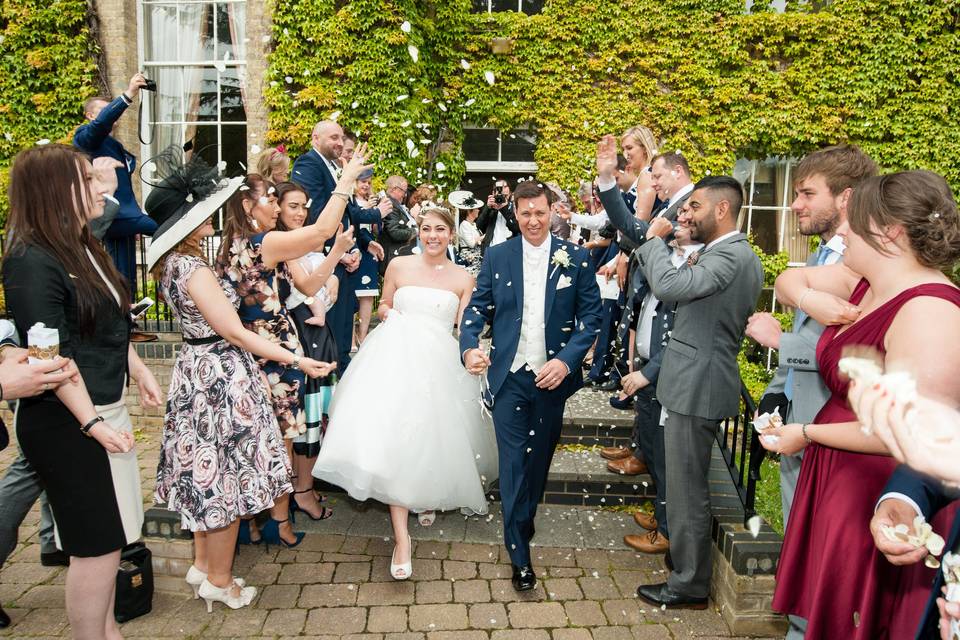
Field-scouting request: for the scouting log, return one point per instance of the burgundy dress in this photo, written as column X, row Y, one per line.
column 830, row 572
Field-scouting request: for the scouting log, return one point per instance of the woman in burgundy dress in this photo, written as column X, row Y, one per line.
column 888, row 294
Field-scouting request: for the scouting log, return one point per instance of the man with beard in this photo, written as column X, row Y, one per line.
column 699, row 381
column 823, row 183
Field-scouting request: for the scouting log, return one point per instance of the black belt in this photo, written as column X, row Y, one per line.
column 207, row 340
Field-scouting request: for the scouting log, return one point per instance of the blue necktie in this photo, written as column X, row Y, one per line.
column 823, row 252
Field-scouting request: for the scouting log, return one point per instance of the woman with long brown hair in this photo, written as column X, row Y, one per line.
column 78, row 436
column 252, row 258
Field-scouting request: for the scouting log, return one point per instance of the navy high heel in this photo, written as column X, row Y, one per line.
column 325, row 512
column 270, row 534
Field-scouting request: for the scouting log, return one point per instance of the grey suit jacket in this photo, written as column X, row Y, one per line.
column 798, row 349
column 715, row 296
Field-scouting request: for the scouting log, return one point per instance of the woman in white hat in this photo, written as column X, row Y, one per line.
column 222, row 456
column 469, row 236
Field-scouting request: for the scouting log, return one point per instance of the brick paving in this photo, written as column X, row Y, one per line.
column 336, row 585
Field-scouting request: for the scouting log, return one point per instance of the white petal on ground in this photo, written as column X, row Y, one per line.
column 753, row 524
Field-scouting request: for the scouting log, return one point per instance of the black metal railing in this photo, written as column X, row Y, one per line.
column 742, row 452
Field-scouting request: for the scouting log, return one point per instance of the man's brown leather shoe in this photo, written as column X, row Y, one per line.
column 651, row 542
column 615, row 453
column 645, row 520
column 627, row 467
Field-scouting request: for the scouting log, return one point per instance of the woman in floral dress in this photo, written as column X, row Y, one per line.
column 252, row 259
column 222, row 456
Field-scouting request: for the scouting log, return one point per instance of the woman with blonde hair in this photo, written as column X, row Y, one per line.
column 274, row 164
column 639, row 147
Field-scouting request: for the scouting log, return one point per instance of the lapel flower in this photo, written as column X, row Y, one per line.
column 692, row 260
column 560, row 259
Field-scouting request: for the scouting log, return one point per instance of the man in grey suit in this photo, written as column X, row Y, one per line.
column 823, row 183
column 699, row 380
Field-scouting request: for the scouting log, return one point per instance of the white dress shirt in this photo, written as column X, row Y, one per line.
column 330, row 165
column 532, row 346
column 593, row 223
column 648, row 309
column 501, row 233
column 721, row 238
column 682, row 191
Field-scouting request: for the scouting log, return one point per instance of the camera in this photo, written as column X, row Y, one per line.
column 498, row 196
column 151, row 85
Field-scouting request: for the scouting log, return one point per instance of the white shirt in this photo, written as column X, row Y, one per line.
column 501, row 233
column 648, row 310
column 721, row 238
column 469, row 235
column 532, row 346
column 682, row 191
column 330, row 165
column 593, row 223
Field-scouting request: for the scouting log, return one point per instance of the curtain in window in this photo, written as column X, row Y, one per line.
column 237, row 17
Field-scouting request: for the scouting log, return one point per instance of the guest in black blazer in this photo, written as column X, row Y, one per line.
column 399, row 227
column 77, row 436
column 498, row 219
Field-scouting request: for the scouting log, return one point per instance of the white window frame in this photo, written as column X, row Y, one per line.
column 498, row 165
column 240, row 65
column 519, row 8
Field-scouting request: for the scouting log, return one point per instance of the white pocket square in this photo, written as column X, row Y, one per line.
column 564, row 282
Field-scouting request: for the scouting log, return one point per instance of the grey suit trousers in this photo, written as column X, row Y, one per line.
column 688, row 443
column 19, row 489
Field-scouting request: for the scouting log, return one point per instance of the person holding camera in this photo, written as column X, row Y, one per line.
column 96, row 139
column 498, row 219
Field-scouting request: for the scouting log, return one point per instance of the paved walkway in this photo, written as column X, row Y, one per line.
column 336, row 584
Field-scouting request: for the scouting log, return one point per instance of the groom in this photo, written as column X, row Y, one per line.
column 540, row 295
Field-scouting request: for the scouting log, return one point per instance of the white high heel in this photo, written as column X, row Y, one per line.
column 426, row 518
column 233, row 596
column 195, row 578
column 405, row 570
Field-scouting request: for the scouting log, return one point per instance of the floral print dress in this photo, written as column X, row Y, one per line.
column 222, row 455
column 261, row 292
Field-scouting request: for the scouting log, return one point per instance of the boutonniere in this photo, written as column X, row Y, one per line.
column 560, row 259
column 692, row 259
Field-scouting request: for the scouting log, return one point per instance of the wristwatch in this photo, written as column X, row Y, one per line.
column 86, row 428
column 296, row 362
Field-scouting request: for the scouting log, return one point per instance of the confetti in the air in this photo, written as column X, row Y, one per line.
column 414, row 52
column 489, row 77
column 255, row 149
column 43, row 141
column 405, row 27
column 464, row 64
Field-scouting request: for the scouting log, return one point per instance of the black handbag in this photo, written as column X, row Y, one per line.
column 134, row 583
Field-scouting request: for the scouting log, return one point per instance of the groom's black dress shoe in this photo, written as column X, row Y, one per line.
column 524, row 578
column 4, row 619
column 660, row 594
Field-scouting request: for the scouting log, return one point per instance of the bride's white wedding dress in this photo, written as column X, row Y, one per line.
column 406, row 426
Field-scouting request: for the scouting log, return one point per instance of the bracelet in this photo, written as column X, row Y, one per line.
column 342, row 194
column 296, row 362
column 86, row 428
column 802, row 296
column 803, row 431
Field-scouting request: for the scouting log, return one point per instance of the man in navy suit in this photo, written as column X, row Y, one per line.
column 95, row 138
column 907, row 495
column 317, row 171
column 540, row 295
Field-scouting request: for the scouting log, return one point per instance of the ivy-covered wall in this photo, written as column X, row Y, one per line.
column 47, row 68
column 713, row 81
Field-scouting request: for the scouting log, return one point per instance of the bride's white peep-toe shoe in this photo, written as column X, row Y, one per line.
column 426, row 518
column 405, row 570
column 234, row 596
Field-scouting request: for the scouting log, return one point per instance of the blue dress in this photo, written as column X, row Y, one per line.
column 262, row 291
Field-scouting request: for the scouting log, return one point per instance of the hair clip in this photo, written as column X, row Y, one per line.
column 934, row 215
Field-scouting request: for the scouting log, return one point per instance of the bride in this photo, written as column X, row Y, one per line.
column 406, row 426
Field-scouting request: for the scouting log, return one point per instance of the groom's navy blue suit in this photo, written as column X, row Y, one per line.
column 527, row 419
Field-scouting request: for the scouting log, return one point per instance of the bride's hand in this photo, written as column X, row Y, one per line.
column 476, row 361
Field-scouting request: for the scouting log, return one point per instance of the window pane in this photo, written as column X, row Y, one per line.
column 205, row 142
column 504, row 5
column 518, row 146
column 530, row 7
column 233, row 148
column 196, row 32
column 231, row 96
column 159, row 31
column 202, row 101
column 479, row 6
column 167, row 104
column 763, row 226
column 481, row 144
column 231, row 23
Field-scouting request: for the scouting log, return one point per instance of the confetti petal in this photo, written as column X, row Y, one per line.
column 414, row 52
column 405, row 27
column 489, row 77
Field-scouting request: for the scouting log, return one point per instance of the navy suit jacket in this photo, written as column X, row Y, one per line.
column 930, row 496
column 311, row 173
column 94, row 138
column 572, row 314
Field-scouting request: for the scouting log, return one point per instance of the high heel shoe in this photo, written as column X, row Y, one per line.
column 406, row 568
column 325, row 512
column 195, row 578
column 243, row 533
column 270, row 534
column 426, row 518
column 233, row 596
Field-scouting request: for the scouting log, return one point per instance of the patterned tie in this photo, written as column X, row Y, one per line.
column 823, row 252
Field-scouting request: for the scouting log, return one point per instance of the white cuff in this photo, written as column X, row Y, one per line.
column 606, row 185
column 896, row 495
column 114, row 200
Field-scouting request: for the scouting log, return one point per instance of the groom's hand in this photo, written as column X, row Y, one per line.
column 552, row 374
column 476, row 361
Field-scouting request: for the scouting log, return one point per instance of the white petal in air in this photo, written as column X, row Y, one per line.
column 410, row 145
column 464, row 64
column 255, row 149
column 414, row 52
column 365, row 280
column 333, row 116
column 402, row 97
column 489, row 77
column 405, row 27
column 43, row 141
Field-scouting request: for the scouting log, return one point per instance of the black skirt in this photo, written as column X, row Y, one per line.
column 318, row 343
column 75, row 472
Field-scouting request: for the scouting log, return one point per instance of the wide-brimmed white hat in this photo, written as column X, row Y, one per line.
column 184, row 196
column 190, row 217
column 464, row 200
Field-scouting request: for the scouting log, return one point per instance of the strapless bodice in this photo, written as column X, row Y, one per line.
column 439, row 305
